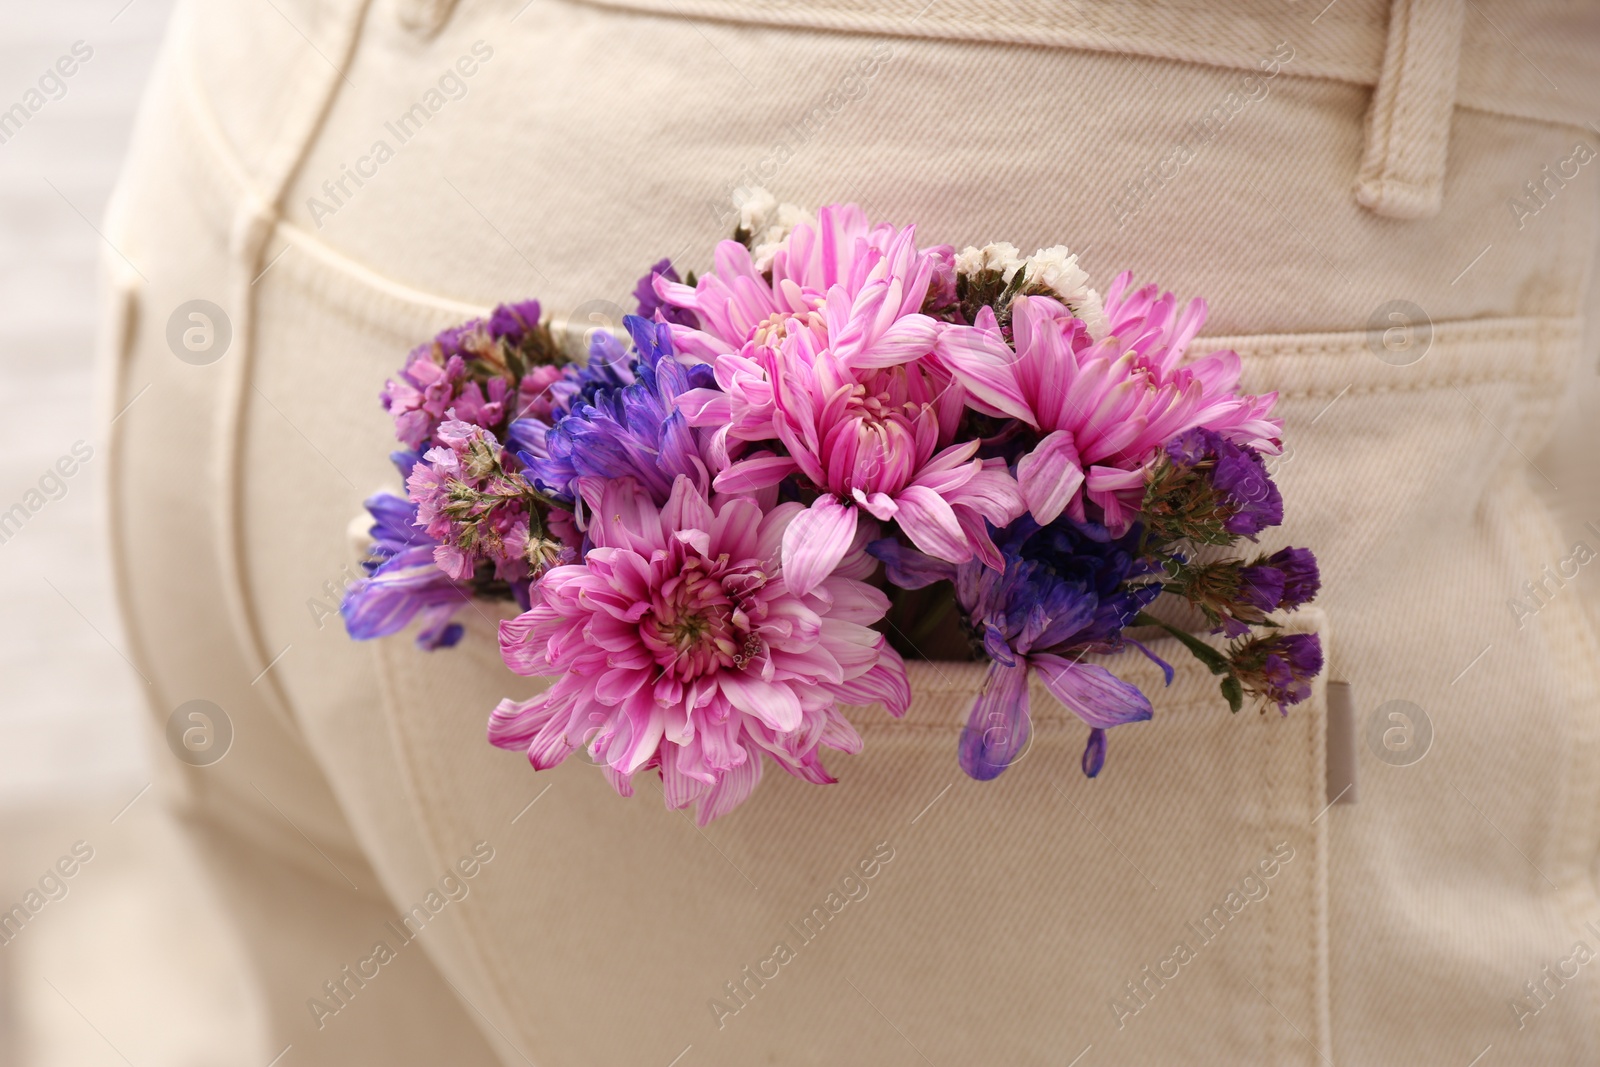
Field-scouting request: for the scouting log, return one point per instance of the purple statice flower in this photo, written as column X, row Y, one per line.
column 1302, row 579
column 1237, row 474
column 1062, row 594
column 651, row 305
column 422, row 392
column 461, row 373
column 1242, row 594
column 1260, row 587
column 1279, row 667
column 630, row 430
column 1280, row 582
column 1235, row 595
column 470, row 506
column 403, row 582
column 513, row 322
column 1191, row 448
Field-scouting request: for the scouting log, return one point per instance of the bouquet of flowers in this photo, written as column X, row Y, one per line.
column 708, row 524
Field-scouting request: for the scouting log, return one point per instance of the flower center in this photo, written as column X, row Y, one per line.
column 876, row 408
column 771, row 331
column 696, row 623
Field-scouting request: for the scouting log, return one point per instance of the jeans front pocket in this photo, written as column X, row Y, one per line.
column 1171, row 910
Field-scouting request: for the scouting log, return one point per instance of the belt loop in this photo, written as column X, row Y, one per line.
column 1408, row 126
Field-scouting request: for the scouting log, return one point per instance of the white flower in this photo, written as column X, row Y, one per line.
column 766, row 243
column 1003, row 257
column 756, row 206
column 1093, row 314
column 1057, row 270
column 767, row 222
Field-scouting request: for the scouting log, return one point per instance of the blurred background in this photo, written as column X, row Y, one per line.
column 79, row 982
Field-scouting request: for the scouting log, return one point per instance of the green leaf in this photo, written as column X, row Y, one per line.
column 514, row 362
column 1233, row 693
column 1215, row 661
column 1014, row 286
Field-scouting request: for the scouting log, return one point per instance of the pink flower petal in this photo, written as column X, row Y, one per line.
column 852, row 601
column 884, row 684
column 983, row 363
column 991, row 492
column 775, row 705
column 983, row 546
column 929, row 521
column 513, row 723
column 734, row 787
column 705, row 407
column 755, row 472
column 815, row 542
column 878, row 505
column 679, row 789
column 1109, row 479
column 686, row 510
column 1049, row 476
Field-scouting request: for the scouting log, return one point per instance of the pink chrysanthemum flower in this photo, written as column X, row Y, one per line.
column 1104, row 408
column 878, row 268
column 869, row 439
column 830, row 360
column 679, row 645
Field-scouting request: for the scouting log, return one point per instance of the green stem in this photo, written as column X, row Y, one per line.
column 934, row 619
column 1215, row 661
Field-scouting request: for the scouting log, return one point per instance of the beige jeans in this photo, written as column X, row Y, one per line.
column 342, row 178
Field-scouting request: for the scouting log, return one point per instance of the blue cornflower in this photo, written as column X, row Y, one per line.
column 403, row 581
column 610, row 367
column 624, row 425
column 1064, row 592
